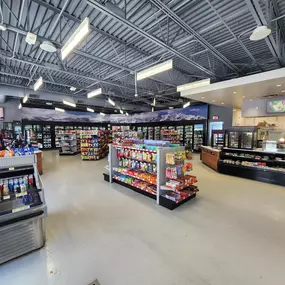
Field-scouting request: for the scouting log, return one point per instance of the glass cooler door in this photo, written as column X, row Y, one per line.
column 233, row 139
column 246, row 140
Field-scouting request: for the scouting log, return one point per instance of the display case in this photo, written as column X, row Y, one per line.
column 69, row 143
column 22, row 207
column 47, row 137
column 217, row 139
column 265, row 166
column 188, row 136
column 241, row 137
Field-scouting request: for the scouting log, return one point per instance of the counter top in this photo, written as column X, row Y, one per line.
column 279, row 151
column 210, row 148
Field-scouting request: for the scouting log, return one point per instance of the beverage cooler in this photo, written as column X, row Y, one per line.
column 33, row 135
column 217, row 138
column 198, row 140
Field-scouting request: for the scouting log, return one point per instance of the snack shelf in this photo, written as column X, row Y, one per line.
column 124, row 173
column 136, row 175
column 117, row 178
column 136, row 149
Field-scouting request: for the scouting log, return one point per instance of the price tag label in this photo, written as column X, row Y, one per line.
column 11, row 168
column 7, row 197
column 21, row 194
column 20, row 208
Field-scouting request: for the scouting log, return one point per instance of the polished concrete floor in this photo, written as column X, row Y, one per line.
column 233, row 233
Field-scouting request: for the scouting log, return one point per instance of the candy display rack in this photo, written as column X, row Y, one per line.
column 22, row 207
column 94, row 144
column 142, row 168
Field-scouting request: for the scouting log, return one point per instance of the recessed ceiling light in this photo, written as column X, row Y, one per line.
column 49, row 103
column 234, row 92
column 256, row 108
column 260, row 33
column 202, row 97
column 136, row 95
column 243, row 97
column 283, row 91
column 250, row 100
column 213, row 100
column 234, row 110
column 222, row 103
column 72, row 88
column 278, row 85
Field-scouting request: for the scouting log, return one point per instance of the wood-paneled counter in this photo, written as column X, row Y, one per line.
column 210, row 156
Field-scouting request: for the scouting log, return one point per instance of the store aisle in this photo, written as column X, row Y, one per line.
column 232, row 233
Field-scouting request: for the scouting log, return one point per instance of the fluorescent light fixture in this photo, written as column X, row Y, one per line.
column 152, row 109
column 187, row 104
column 94, row 93
column 136, row 95
column 260, row 33
column 111, row 102
column 69, row 103
column 154, row 101
column 3, row 27
column 49, row 103
column 155, row 69
column 102, row 114
column 76, row 38
column 25, row 99
column 127, row 114
column 20, row 106
column 193, row 85
column 121, row 111
column 59, row 110
column 38, row 84
column 90, row 110
column 72, row 88
column 278, row 85
column 170, row 107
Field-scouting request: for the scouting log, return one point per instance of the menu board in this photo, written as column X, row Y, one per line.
column 275, row 106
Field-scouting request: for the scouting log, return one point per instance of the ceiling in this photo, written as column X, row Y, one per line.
column 232, row 92
column 205, row 38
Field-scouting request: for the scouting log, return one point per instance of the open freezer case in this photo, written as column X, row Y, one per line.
column 22, row 207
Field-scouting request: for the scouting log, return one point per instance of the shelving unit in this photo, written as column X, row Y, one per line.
column 172, row 136
column 47, row 136
column 33, row 135
column 94, row 144
column 22, row 207
column 69, row 143
column 142, row 169
column 198, row 137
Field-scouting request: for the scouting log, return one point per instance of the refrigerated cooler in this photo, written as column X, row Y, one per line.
column 33, row 135
column 198, row 137
column 217, row 138
column 188, row 136
column 22, row 207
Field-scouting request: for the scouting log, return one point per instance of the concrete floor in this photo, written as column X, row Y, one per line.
column 233, row 233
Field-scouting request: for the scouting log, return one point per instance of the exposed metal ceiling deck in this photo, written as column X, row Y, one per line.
column 206, row 38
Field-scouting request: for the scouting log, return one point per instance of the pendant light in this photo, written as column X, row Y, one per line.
column 260, row 33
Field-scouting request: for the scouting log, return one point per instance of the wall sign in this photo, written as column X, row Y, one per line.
column 50, row 115
column 215, row 118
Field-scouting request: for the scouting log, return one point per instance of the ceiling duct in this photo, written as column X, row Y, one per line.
column 115, row 9
column 34, row 96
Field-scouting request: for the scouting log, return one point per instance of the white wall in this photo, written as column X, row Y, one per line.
column 11, row 111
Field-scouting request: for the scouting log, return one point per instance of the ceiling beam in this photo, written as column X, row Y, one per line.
column 148, row 36
column 256, row 11
column 172, row 15
column 280, row 22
